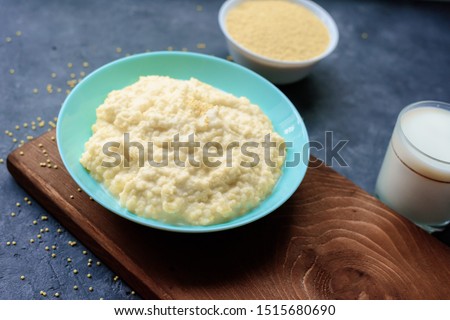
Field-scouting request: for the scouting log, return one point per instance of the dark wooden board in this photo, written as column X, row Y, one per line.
column 331, row 240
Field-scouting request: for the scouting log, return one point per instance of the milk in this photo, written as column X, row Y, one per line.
column 414, row 179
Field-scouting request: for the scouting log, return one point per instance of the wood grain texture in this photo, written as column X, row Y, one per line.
column 331, row 240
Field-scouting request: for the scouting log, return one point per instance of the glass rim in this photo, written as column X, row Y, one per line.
column 415, row 105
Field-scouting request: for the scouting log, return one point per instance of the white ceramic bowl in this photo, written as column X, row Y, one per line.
column 278, row 71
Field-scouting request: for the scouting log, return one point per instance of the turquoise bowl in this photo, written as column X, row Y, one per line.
column 78, row 114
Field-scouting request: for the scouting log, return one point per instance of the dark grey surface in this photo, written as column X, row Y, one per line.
column 356, row 93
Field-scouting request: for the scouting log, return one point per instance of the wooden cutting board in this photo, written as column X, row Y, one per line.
column 330, row 240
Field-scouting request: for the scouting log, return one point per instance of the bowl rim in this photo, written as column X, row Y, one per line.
column 148, row 222
column 332, row 30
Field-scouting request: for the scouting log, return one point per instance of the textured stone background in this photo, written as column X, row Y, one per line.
column 357, row 93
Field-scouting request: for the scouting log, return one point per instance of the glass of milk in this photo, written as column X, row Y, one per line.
column 414, row 178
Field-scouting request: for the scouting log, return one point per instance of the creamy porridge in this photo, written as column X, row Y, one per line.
column 156, row 109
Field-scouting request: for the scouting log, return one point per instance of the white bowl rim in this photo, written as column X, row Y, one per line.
column 332, row 29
